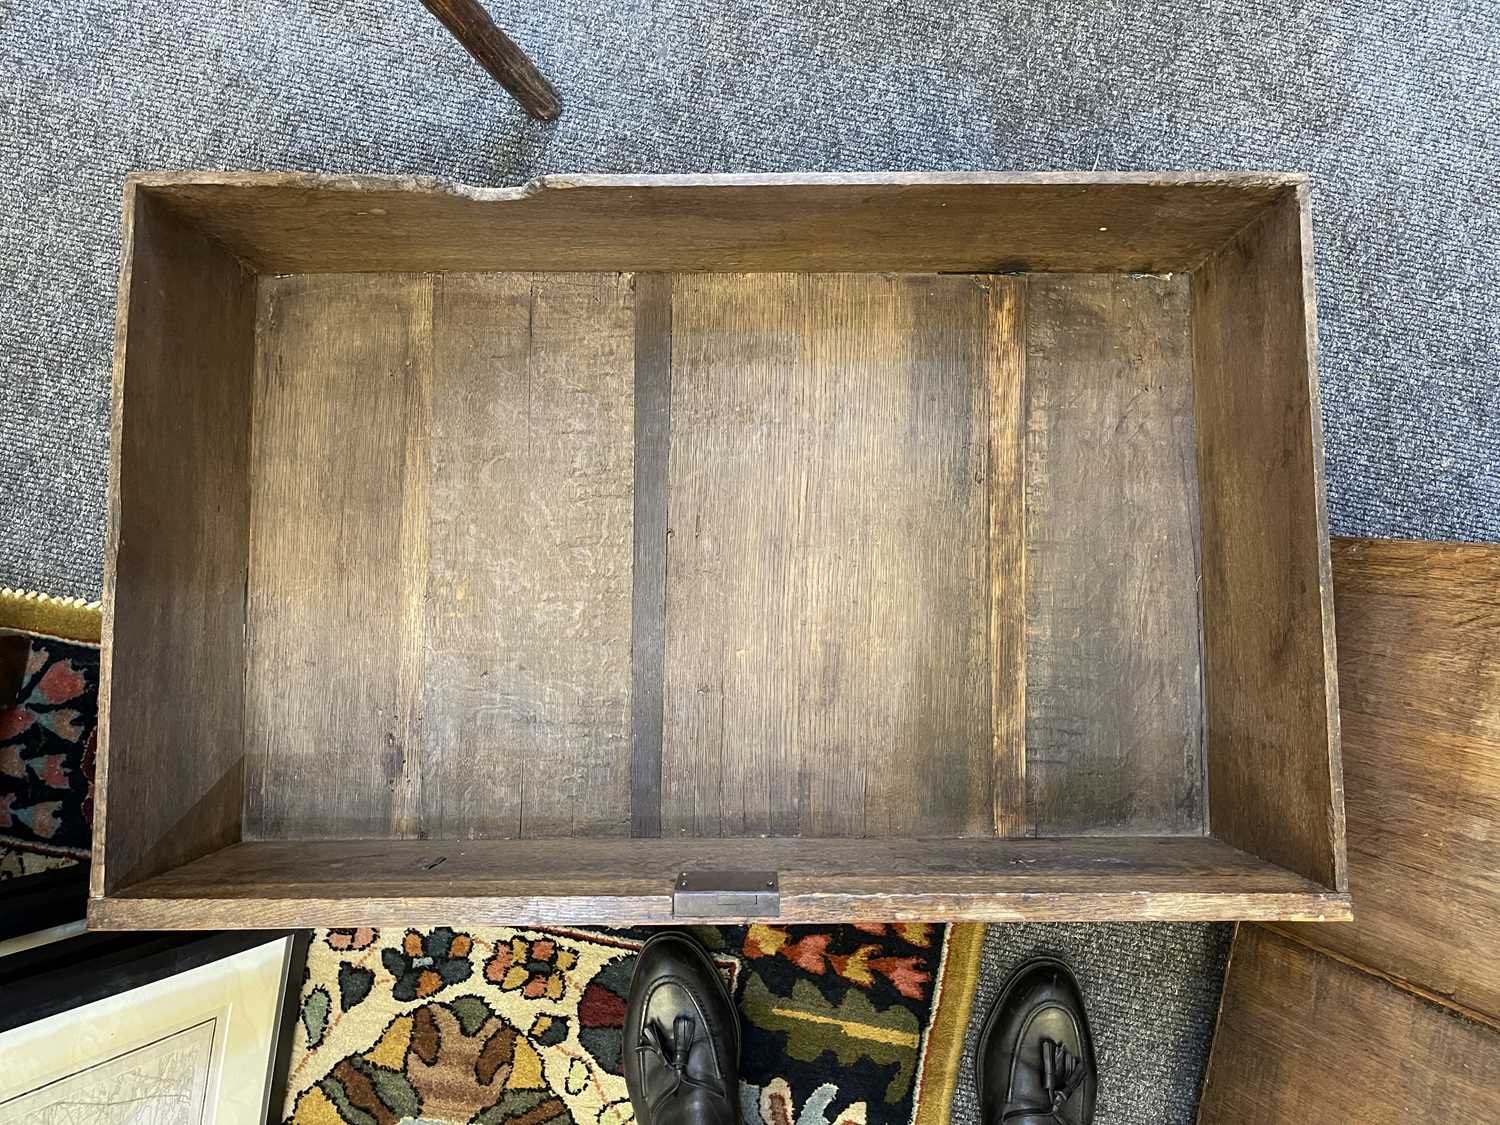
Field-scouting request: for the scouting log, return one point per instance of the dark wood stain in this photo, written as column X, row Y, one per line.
column 799, row 534
column 648, row 638
column 536, row 882
column 290, row 223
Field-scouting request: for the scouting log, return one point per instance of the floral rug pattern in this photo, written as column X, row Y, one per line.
column 47, row 758
column 843, row 1025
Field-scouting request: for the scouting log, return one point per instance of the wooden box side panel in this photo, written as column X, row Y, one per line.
column 168, row 771
column 619, row 882
column 1274, row 780
column 987, row 222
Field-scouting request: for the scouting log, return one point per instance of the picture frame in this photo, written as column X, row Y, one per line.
column 193, row 1028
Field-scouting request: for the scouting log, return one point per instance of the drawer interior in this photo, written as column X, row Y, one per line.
column 953, row 545
column 722, row 554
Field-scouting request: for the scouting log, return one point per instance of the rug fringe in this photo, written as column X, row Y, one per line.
column 938, row 1080
column 48, row 615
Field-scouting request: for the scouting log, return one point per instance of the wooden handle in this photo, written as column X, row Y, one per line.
column 497, row 53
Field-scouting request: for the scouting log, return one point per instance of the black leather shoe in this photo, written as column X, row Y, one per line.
column 682, row 1038
column 1035, row 1059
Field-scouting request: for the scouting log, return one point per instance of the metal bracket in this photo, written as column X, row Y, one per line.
column 726, row 894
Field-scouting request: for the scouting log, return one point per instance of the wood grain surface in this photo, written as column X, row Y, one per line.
column 648, row 636
column 1303, row 1037
column 980, row 222
column 601, row 881
column 892, row 554
column 470, row 604
column 1007, row 552
column 1274, row 782
column 169, row 777
column 827, row 600
column 530, row 587
column 331, row 745
column 1419, row 685
column 1114, row 713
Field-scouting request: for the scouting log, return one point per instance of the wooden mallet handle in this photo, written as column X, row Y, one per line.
column 497, row 53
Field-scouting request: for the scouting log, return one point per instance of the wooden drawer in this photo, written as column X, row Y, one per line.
column 949, row 546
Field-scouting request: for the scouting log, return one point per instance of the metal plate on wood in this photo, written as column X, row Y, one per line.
column 726, row 894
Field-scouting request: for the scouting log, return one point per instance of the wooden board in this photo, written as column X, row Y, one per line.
column 1271, row 684
column 980, row 222
column 1007, row 553
column 1419, row 682
column 441, row 561
column 648, row 636
column 1114, row 714
column 1304, row 1037
column 331, row 745
column 827, row 575
column 526, row 882
column 168, row 774
column 529, row 595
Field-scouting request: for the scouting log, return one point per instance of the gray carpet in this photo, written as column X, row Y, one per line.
column 1152, row 992
column 1393, row 106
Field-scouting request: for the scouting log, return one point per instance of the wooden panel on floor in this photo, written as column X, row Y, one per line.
column 827, row 588
column 337, row 521
column 1304, row 1037
column 1114, row 722
column 528, row 670
column 1419, row 685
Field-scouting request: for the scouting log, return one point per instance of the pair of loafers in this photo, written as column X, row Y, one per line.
column 1034, row 1063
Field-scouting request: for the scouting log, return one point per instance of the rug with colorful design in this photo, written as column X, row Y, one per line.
column 843, row 1025
column 47, row 729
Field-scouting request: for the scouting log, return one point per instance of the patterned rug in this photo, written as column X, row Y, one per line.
column 843, row 1025
column 47, row 734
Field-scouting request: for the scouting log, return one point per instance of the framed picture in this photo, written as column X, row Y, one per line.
column 151, row 1029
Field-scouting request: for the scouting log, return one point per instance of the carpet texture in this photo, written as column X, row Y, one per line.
column 840, row 1025
column 1152, row 994
column 1393, row 106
